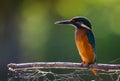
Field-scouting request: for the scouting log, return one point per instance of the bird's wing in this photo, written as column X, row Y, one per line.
column 91, row 39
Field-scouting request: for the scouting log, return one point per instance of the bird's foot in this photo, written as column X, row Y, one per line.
column 84, row 64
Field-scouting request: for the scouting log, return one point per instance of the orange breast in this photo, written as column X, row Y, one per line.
column 84, row 48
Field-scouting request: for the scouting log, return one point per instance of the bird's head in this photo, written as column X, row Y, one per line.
column 78, row 22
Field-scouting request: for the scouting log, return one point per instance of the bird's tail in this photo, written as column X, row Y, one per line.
column 95, row 71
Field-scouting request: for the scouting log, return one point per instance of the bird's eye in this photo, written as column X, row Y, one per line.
column 74, row 21
column 79, row 22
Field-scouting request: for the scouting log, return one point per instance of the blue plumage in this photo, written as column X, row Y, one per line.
column 91, row 39
column 82, row 19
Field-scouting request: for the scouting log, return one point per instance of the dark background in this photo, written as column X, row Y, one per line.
column 28, row 32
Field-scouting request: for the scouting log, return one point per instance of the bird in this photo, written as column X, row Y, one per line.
column 84, row 39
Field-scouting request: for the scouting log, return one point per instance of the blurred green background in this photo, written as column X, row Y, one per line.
column 28, row 32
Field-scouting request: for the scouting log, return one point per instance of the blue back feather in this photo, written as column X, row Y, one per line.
column 91, row 39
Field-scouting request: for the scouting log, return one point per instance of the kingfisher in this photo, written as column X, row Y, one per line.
column 84, row 39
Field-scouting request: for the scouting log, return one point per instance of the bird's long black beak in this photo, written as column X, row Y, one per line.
column 64, row 22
